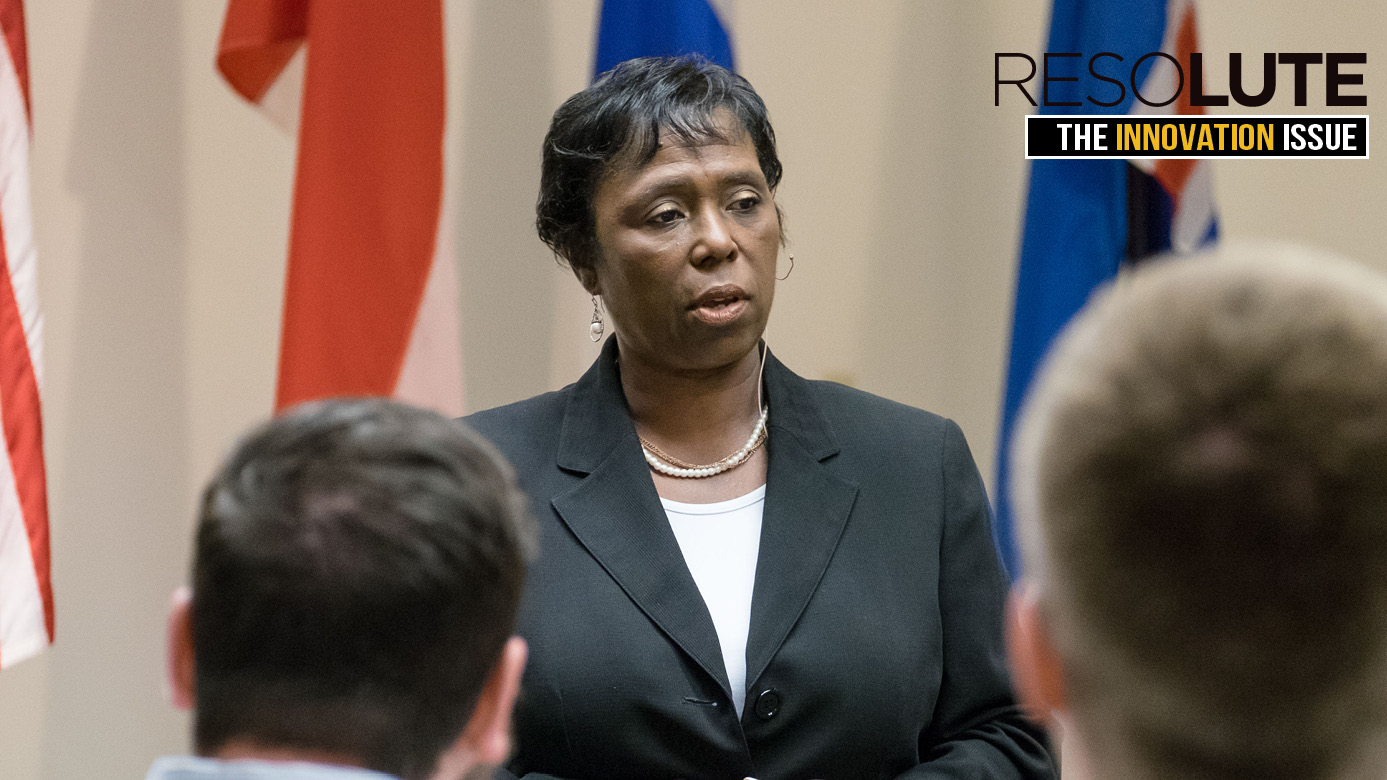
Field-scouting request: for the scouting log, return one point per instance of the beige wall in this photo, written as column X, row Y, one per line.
column 162, row 209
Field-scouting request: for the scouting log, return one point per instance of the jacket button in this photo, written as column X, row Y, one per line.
column 767, row 704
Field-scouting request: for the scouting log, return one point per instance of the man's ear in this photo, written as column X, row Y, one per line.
column 486, row 739
column 1036, row 670
column 182, row 666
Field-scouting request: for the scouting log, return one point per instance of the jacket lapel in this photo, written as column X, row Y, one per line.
column 806, row 510
column 616, row 514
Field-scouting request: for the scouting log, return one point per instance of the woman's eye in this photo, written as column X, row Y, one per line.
column 746, row 204
column 665, row 217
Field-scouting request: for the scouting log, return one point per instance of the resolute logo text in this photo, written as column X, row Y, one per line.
column 1162, row 123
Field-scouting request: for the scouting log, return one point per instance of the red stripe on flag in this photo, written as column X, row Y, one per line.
column 367, row 196
column 1186, row 43
column 12, row 23
column 259, row 37
column 23, row 427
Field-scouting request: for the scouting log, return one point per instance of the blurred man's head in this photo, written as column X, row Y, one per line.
column 1201, row 489
column 356, row 575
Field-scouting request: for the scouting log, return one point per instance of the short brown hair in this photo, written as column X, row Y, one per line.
column 1201, row 485
column 357, row 570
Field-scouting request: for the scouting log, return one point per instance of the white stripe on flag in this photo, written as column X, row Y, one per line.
column 1160, row 84
column 22, row 631
column 283, row 101
column 1195, row 210
column 431, row 375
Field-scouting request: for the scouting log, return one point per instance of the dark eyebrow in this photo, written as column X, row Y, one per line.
column 747, row 177
column 661, row 187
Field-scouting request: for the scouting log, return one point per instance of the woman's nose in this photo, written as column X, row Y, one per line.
column 714, row 237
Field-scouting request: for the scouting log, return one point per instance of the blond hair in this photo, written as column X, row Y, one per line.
column 1200, row 478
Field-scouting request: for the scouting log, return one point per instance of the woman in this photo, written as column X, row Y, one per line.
column 742, row 572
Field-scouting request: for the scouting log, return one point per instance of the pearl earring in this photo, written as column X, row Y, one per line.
column 598, row 327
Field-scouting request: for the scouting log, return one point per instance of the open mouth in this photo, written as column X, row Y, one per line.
column 720, row 305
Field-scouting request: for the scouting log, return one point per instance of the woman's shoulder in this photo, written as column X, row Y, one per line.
column 852, row 411
column 524, row 423
column 881, row 435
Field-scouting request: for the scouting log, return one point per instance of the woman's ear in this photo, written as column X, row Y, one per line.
column 1037, row 672
column 587, row 276
column 182, row 666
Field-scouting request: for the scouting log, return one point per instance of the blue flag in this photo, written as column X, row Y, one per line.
column 1086, row 218
column 651, row 28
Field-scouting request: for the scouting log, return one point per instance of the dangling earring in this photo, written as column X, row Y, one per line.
column 598, row 327
column 791, row 255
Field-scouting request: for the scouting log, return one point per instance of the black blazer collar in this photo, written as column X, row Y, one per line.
column 597, row 417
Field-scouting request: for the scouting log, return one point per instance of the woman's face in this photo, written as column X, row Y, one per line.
column 686, row 255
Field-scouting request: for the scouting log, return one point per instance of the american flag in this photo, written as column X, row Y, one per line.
column 26, row 592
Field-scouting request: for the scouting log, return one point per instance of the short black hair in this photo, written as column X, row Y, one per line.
column 358, row 566
column 619, row 119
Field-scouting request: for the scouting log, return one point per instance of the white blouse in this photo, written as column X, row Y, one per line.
column 720, row 543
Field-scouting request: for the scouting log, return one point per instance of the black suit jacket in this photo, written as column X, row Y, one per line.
column 875, row 646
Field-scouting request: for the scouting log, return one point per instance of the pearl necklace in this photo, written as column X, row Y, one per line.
column 677, row 468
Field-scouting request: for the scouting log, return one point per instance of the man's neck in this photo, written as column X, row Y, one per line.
column 242, row 749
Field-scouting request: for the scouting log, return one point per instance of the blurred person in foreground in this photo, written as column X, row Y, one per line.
column 743, row 572
column 355, row 580
column 1201, row 479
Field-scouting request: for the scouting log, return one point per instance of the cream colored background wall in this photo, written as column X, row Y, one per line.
column 162, row 211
